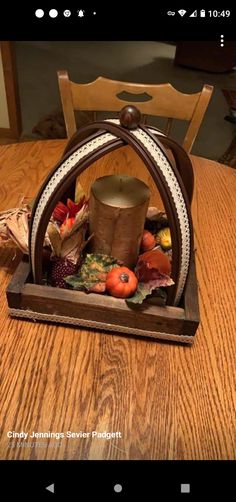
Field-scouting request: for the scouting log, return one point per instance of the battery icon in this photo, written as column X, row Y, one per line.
column 202, row 13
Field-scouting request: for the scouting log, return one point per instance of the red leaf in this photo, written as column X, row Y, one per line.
column 74, row 208
column 67, row 225
column 151, row 264
column 60, row 212
column 160, row 282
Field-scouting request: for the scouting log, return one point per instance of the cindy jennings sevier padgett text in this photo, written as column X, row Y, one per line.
column 67, row 434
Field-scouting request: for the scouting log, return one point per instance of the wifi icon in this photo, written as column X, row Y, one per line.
column 182, row 12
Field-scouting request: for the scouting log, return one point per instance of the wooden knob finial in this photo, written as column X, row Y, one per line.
column 130, row 117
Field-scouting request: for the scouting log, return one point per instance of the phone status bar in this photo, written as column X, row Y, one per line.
column 202, row 13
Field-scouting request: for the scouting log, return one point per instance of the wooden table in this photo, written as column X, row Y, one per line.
column 167, row 401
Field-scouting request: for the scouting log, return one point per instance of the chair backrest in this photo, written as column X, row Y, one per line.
column 163, row 100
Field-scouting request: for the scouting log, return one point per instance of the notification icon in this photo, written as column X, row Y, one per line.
column 67, row 13
column 53, row 13
column 39, row 13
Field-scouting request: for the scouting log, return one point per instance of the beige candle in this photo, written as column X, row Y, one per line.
column 117, row 209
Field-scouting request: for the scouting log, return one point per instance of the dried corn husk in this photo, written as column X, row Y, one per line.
column 14, row 227
column 71, row 243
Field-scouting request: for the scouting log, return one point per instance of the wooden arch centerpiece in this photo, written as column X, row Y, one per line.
column 179, row 319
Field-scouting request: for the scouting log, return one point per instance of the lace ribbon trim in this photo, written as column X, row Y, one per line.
column 56, row 178
column 38, row 316
column 164, row 165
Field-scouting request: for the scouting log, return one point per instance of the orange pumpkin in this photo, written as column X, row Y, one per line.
column 148, row 241
column 121, row 282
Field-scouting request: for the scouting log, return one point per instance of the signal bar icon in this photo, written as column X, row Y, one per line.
column 182, row 12
column 194, row 14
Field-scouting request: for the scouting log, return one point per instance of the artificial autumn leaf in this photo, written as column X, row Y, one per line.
column 75, row 208
column 151, row 264
column 60, row 212
column 75, row 223
column 72, row 246
column 79, row 192
column 59, row 234
column 145, row 289
column 54, row 235
column 67, row 246
column 93, row 273
column 69, row 210
column 67, row 225
column 95, row 285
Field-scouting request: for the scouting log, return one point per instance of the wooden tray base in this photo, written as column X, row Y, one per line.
column 45, row 303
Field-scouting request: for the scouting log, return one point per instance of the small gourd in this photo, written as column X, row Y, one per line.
column 163, row 238
column 148, row 241
column 121, row 282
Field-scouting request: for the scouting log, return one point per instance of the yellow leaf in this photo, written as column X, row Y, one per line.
column 54, row 236
column 79, row 192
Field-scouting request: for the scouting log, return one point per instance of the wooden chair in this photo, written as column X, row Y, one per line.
column 165, row 101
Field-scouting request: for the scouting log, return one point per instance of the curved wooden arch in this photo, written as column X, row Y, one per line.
column 120, row 137
column 182, row 160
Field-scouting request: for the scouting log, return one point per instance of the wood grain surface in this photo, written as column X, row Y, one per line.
column 168, row 401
